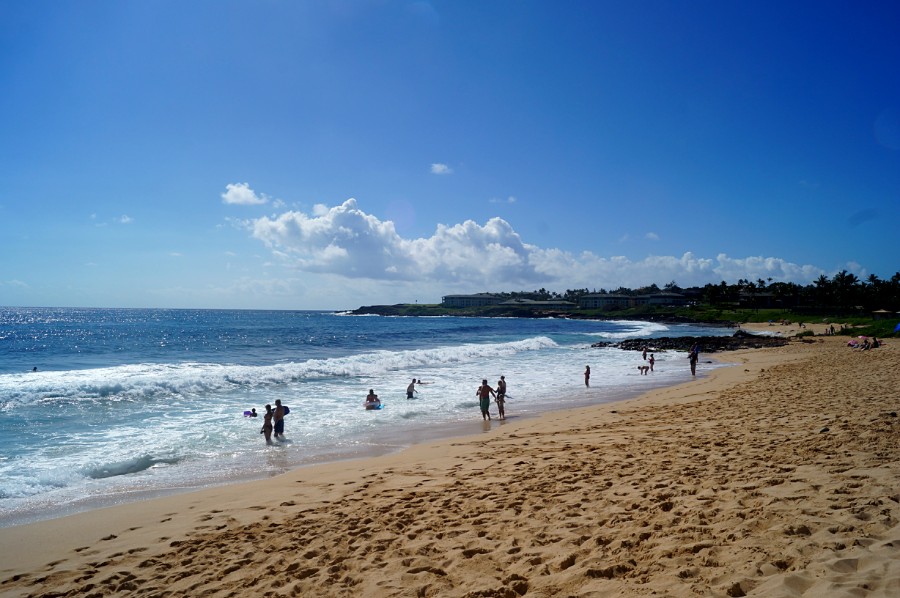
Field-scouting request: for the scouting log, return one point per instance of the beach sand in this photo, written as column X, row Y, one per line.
column 779, row 476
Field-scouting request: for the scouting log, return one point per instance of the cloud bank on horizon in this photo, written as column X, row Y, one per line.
column 346, row 241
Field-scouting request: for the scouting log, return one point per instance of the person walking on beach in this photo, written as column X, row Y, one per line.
column 693, row 357
column 279, row 419
column 267, row 424
column 484, row 394
column 411, row 389
column 651, row 361
column 587, row 376
column 501, row 396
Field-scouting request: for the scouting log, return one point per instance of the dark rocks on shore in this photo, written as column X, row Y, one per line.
column 708, row 344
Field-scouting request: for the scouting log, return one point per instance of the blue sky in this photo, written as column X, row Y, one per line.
column 318, row 155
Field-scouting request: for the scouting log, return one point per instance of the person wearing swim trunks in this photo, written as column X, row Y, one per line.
column 279, row 419
column 411, row 389
column 484, row 394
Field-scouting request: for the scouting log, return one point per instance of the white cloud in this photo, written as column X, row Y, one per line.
column 14, row 283
column 509, row 200
column 125, row 219
column 349, row 243
column 241, row 194
column 439, row 168
column 651, row 237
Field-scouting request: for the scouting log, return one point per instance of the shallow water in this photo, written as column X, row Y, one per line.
column 130, row 402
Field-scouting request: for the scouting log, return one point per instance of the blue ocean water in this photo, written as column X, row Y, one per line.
column 98, row 406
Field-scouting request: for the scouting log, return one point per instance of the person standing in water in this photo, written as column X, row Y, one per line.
column 484, row 394
column 501, row 396
column 279, row 419
column 411, row 389
column 267, row 424
column 587, row 376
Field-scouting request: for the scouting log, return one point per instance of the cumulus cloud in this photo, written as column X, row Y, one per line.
column 125, row 219
column 241, row 194
column 345, row 241
column 439, row 168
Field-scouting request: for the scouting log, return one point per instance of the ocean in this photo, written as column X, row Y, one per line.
column 103, row 406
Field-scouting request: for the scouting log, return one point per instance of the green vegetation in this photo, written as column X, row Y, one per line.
column 843, row 300
column 703, row 314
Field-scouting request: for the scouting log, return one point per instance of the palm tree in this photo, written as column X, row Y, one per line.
column 822, row 291
column 845, row 288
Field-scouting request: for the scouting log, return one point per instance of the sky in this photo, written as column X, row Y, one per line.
column 267, row 154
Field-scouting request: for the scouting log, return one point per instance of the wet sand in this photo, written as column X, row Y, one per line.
column 776, row 477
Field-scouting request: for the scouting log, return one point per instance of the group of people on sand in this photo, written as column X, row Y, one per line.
column 693, row 357
column 866, row 344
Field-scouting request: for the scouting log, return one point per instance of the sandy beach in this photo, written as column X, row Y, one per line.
column 779, row 476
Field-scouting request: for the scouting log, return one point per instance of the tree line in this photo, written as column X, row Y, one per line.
column 844, row 293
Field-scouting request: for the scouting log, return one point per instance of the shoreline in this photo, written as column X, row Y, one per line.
column 370, row 446
column 724, row 485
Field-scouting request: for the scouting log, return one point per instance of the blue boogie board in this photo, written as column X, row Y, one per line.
column 374, row 407
column 286, row 409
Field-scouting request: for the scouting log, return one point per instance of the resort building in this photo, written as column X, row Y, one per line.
column 604, row 301
column 611, row 301
column 477, row 300
column 553, row 304
column 663, row 298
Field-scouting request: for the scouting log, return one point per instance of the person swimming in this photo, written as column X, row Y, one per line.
column 372, row 400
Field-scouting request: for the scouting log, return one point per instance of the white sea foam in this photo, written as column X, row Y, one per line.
column 136, row 383
column 631, row 329
column 99, row 432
